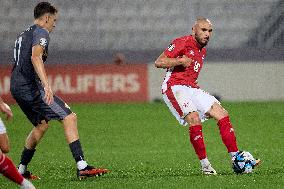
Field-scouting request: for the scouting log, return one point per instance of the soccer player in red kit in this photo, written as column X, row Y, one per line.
column 7, row 167
column 183, row 60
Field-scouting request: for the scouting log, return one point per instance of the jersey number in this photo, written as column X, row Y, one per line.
column 196, row 66
column 17, row 49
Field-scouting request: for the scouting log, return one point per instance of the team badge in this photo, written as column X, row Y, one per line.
column 171, row 47
column 43, row 42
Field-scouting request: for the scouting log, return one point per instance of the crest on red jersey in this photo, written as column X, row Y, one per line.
column 171, row 47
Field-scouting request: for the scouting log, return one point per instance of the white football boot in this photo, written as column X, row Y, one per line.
column 208, row 170
column 27, row 185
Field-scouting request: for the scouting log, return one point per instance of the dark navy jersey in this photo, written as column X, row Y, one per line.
column 23, row 74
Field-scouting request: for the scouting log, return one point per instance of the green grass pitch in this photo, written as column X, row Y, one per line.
column 144, row 147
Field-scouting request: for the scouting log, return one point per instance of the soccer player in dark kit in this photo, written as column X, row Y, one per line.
column 31, row 90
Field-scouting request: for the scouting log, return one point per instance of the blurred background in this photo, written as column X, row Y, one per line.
column 245, row 59
column 103, row 51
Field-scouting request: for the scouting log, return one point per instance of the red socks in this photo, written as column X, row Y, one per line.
column 8, row 169
column 228, row 135
column 196, row 139
column 226, row 131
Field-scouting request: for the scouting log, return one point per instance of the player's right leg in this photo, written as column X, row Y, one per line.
column 197, row 141
column 4, row 143
column 178, row 99
column 32, row 141
column 31, row 102
column 4, row 139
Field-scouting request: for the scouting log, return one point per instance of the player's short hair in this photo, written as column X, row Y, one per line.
column 201, row 18
column 43, row 8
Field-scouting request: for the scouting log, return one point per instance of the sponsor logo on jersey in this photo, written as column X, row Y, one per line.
column 43, row 42
column 191, row 52
column 171, row 47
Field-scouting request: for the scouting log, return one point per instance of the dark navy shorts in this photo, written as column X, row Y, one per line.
column 33, row 105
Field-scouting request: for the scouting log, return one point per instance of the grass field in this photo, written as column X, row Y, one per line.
column 144, row 147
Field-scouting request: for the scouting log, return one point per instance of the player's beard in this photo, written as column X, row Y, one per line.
column 200, row 41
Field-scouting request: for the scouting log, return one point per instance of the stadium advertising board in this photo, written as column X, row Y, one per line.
column 91, row 83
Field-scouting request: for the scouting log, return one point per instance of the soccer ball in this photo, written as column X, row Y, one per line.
column 243, row 162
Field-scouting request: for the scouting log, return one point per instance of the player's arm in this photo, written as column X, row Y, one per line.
column 4, row 108
column 166, row 62
column 37, row 52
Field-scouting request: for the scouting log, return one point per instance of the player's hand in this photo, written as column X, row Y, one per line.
column 48, row 97
column 6, row 110
column 185, row 61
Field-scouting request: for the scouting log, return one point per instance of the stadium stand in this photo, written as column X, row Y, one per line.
column 270, row 33
column 141, row 28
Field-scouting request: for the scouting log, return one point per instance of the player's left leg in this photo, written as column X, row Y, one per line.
column 225, row 127
column 8, row 169
column 72, row 137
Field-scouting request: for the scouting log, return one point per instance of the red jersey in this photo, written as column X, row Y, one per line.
column 179, row 75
